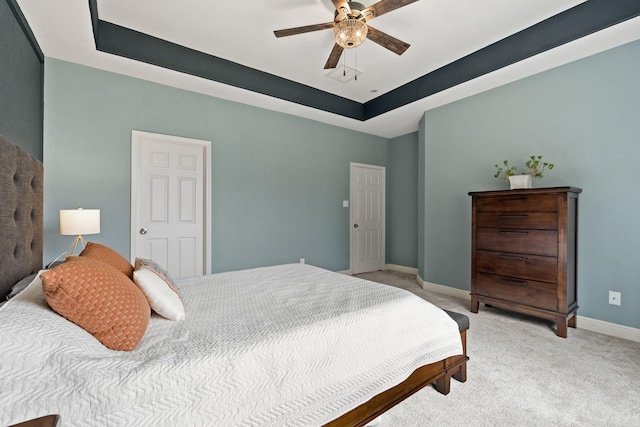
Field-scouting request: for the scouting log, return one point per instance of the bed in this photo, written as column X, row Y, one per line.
column 281, row 345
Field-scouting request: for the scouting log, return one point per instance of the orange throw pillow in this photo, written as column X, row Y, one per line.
column 99, row 299
column 106, row 254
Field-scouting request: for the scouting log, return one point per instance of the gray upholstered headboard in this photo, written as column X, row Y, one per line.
column 21, row 204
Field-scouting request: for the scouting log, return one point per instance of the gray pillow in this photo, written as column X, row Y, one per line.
column 19, row 287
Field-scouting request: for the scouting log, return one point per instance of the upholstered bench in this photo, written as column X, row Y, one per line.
column 461, row 319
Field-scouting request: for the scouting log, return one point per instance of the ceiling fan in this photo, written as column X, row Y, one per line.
column 351, row 28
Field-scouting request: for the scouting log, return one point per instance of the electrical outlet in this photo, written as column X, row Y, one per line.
column 615, row 298
column 301, row 260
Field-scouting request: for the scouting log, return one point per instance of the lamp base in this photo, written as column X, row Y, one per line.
column 71, row 250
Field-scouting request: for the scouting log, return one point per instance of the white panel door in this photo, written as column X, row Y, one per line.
column 367, row 218
column 170, row 203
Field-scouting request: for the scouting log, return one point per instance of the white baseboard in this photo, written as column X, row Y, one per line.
column 394, row 267
column 586, row 323
column 401, row 268
column 441, row 289
column 607, row 328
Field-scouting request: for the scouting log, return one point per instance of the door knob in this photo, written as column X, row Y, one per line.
column 355, row 225
column 143, row 231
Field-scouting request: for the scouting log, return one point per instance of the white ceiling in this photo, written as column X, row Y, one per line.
column 439, row 31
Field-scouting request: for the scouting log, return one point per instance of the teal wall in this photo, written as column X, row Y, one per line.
column 21, row 76
column 278, row 181
column 583, row 117
column 402, row 201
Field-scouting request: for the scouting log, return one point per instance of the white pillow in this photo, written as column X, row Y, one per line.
column 163, row 296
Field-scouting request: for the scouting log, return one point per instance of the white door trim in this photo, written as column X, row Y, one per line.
column 136, row 135
column 383, row 169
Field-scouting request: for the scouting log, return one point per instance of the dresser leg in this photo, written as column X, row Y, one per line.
column 561, row 328
column 474, row 304
column 573, row 321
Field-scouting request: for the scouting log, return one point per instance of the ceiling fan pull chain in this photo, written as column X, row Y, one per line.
column 344, row 64
column 356, row 70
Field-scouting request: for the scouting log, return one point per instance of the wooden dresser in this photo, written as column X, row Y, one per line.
column 523, row 252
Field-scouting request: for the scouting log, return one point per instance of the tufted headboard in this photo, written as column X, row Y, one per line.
column 21, row 205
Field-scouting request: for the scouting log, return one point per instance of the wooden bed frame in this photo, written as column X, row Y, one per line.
column 21, row 222
column 438, row 373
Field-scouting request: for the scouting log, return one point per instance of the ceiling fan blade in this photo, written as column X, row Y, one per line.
column 387, row 41
column 384, row 6
column 306, row 29
column 334, row 56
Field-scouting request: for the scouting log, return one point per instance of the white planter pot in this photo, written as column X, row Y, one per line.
column 521, row 181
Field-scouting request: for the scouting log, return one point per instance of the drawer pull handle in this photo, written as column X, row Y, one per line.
column 514, row 215
column 518, row 258
column 521, row 233
column 514, row 282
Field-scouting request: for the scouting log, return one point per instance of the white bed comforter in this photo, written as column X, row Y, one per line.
column 285, row 345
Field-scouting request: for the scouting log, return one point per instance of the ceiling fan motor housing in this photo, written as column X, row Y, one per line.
column 354, row 12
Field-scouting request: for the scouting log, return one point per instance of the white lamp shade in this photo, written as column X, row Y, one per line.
column 79, row 221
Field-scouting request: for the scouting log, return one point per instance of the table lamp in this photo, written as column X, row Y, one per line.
column 77, row 222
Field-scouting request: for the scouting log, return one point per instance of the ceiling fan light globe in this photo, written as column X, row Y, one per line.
column 350, row 33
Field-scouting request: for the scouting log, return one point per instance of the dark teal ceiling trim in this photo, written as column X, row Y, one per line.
column 93, row 11
column 143, row 47
column 572, row 24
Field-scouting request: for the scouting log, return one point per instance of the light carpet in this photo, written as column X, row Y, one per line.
column 521, row 374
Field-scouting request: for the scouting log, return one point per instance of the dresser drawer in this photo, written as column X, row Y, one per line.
column 540, row 268
column 533, row 220
column 540, row 203
column 520, row 291
column 535, row 242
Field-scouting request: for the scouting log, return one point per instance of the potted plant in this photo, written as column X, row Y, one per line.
column 534, row 168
